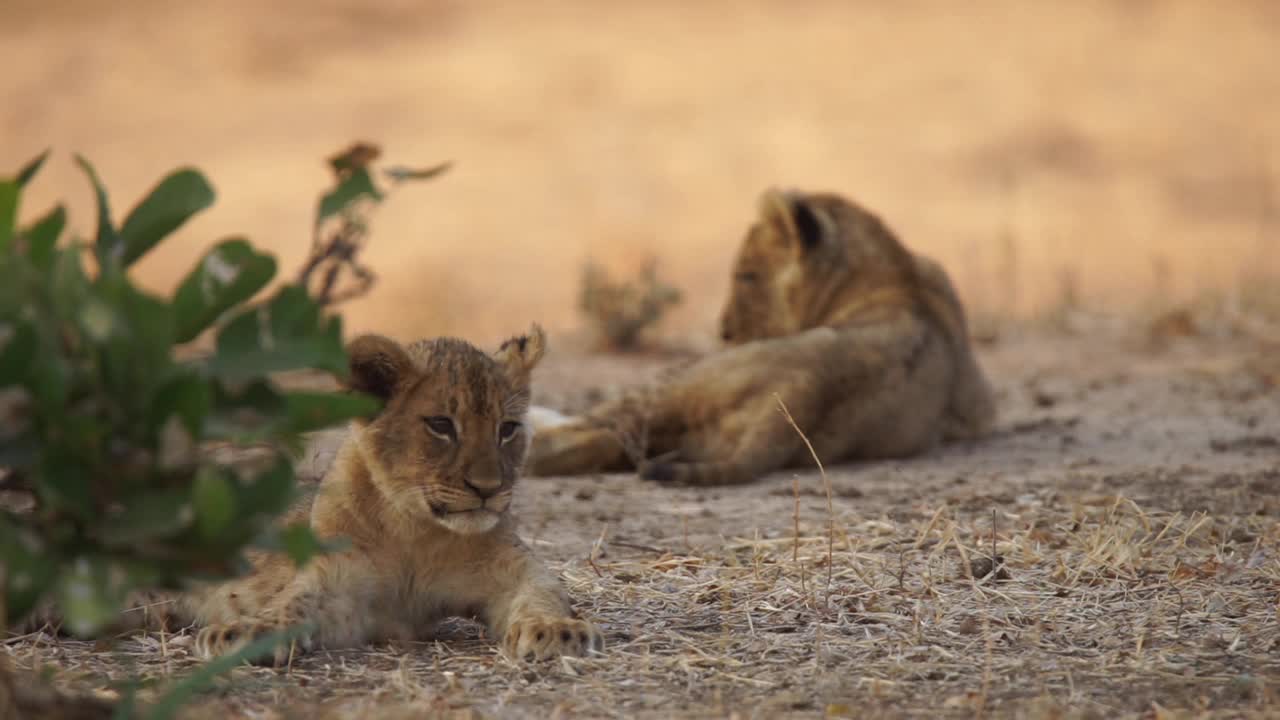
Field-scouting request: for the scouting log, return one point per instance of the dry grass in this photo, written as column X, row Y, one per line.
column 621, row 312
column 1108, row 608
column 1129, row 501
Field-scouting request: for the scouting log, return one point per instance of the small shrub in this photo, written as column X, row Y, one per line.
column 342, row 224
column 106, row 432
column 105, row 429
column 622, row 311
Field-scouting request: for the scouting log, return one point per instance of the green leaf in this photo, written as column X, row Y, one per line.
column 29, row 568
column 399, row 173
column 215, row 503
column 69, row 284
column 100, row 320
column 308, row 411
column 50, row 383
column 182, row 692
column 134, row 339
column 357, row 185
column 229, row 274
column 301, row 544
column 42, row 237
column 287, row 333
column 186, row 395
column 107, row 244
column 17, row 350
column 245, row 413
column 150, row 514
column 63, row 482
column 269, row 492
column 9, row 191
column 91, row 592
column 150, row 323
column 29, row 170
column 171, row 203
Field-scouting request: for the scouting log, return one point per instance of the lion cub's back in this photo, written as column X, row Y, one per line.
column 971, row 407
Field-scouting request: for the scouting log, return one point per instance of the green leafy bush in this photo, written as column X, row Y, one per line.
column 107, row 422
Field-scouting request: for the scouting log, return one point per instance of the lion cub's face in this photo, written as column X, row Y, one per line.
column 802, row 251
column 769, row 263
column 450, row 440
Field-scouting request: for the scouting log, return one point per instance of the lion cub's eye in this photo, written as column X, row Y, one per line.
column 746, row 277
column 507, row 430
column 441, row 426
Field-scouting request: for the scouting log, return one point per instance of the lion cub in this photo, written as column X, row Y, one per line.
column 423, row 492
column 863, row 340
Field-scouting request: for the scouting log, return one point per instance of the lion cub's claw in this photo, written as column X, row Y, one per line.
column 539, row 638
column 217, row 640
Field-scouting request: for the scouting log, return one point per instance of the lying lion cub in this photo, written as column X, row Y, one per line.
column 864, row 341
column 422, row 491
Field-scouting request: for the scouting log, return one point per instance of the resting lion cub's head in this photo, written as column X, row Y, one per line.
column 808, row 256
column 449, row 442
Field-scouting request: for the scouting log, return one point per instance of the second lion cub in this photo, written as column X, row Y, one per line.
column 864, row 341
column 422, row 491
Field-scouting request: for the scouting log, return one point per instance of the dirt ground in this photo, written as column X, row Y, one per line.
column 1133, row 492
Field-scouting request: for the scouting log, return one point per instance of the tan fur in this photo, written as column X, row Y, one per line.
column 425, row 509
column 424, row 505
column 865, row 342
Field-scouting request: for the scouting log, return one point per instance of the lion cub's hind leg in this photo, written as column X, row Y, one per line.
column 753, row 440
column 581, row 446
column 329, row 602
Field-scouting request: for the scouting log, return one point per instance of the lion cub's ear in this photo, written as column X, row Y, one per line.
column 378, row 365
column 519, row 355
column 802, row 225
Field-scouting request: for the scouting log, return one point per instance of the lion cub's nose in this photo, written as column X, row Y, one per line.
column 483, row 487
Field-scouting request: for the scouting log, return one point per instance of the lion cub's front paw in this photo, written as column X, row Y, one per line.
column 218, row 640
column 540, row 637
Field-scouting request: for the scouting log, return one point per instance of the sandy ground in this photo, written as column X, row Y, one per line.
column 1133, row 493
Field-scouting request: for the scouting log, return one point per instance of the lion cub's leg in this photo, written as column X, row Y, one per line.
column 332, row 596
column 530, row 610
column 581, row 446
column 607, row 438
column 748, row 442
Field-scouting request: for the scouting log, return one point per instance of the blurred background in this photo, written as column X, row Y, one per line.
column 1117, row 157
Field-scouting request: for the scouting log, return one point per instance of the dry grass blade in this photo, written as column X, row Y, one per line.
column 826, row 485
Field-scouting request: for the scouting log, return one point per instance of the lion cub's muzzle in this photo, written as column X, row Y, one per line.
column 464, row 504
column 474, row 508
